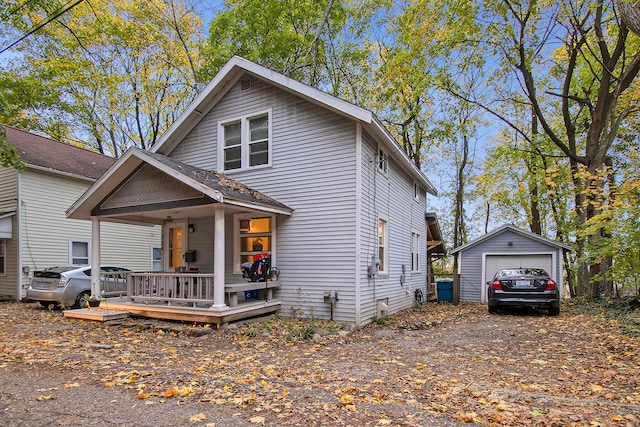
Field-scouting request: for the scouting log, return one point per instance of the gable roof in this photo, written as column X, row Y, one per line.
column 214, row 185
column 55, row 156
column 237, row 66
column 509, row 227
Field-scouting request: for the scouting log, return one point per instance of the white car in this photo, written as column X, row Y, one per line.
column 71, row 285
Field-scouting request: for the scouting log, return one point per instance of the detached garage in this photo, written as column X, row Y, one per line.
column 505, row 247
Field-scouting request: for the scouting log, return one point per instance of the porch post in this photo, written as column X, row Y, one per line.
column 95, row 257
column 218, row 258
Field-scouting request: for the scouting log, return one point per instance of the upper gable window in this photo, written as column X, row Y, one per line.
column 246, row 142
column 383, row 161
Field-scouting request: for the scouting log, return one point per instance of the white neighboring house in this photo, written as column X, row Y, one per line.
column 260, row 162
column 34, row 230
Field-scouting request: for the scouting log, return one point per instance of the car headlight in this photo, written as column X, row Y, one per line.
column 64, row 281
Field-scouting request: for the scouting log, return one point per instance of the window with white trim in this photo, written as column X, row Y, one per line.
column 383, row 161
column 79, row 252
column 156, row 258
column 253, row 236
column 245, row 142
column 383, row 243
column 415, row 252
column 416, row 191
column 3, row 257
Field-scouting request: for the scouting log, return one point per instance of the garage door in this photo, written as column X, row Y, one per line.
column 496, row 262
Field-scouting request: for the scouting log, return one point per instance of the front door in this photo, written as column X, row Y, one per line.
column 175, row 238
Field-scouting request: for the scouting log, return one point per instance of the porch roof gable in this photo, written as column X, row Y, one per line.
column 215, row 185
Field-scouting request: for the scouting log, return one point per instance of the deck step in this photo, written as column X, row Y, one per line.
column 98, row 314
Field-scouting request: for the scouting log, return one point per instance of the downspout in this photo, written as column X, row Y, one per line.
column 358, row 230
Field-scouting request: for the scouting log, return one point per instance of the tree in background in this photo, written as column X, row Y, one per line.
column 574, row 65
column 121, row 71
column 303, row 39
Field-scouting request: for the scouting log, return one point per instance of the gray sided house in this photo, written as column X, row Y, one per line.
column 505, row 247
column 34, row 230
column 261, row 163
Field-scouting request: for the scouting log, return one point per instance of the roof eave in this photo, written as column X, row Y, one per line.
column 400, row 155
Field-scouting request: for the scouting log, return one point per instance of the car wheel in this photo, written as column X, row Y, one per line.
column 492, row 309
column 554, row 311
column 81, row 301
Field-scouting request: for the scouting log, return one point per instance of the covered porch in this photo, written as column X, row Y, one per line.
column 211, row 226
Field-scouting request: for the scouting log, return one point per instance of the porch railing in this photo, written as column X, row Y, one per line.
column 170, row 288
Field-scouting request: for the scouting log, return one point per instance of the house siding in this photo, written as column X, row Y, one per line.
column 46, row 231
column 313, row 172
column 9, row 203
column 472, row 283
column 390, row 196
column 316, row 167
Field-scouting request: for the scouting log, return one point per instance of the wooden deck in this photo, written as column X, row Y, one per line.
column 183, row 313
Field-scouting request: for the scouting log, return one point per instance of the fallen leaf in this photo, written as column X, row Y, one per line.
column 347, row 399
column 197, row 417
column 171, row 392
column 41, row 398
column 71, row 385
column 468, row 417
column 142, row 396
column 257, row 420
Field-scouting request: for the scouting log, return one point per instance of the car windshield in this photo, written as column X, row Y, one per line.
column 521, row 272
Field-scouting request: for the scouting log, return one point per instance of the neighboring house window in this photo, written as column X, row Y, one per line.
column 415, row 252
column 79, row 252
column 156, row 258
column 254, row 235
column 3, row 251
column 383, row 240
column 246, row 142
column 383, row 161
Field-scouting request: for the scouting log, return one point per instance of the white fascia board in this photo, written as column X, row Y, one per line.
column 396, row 151
column 310, row 93
column 255, row 206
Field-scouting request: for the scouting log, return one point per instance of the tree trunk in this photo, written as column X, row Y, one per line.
column 630, row 14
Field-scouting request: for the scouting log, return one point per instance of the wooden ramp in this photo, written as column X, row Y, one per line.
column 99, row 314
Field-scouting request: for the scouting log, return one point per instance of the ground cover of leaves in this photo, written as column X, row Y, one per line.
column 437, row 365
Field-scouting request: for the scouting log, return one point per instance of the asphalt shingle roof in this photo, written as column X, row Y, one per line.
column 47, row 153
column 217, row 181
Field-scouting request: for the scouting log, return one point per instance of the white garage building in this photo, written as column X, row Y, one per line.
column 505, row 247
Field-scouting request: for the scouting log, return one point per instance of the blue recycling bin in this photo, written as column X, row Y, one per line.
column 445, row 289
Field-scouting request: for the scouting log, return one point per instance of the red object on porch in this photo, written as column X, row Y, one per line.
column 257, row 257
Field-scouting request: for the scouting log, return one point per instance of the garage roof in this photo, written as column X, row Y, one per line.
column 510, row 227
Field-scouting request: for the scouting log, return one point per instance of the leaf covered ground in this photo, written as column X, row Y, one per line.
column 438, row 365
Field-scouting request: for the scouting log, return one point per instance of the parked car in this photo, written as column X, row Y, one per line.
column 70, row 285
column 527, row 287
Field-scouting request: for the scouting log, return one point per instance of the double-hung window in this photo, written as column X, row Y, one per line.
column 246, row 142
column 79, row 253
column 383, row 244
column 415, row 252
column 383, row 161
column 3, row 256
